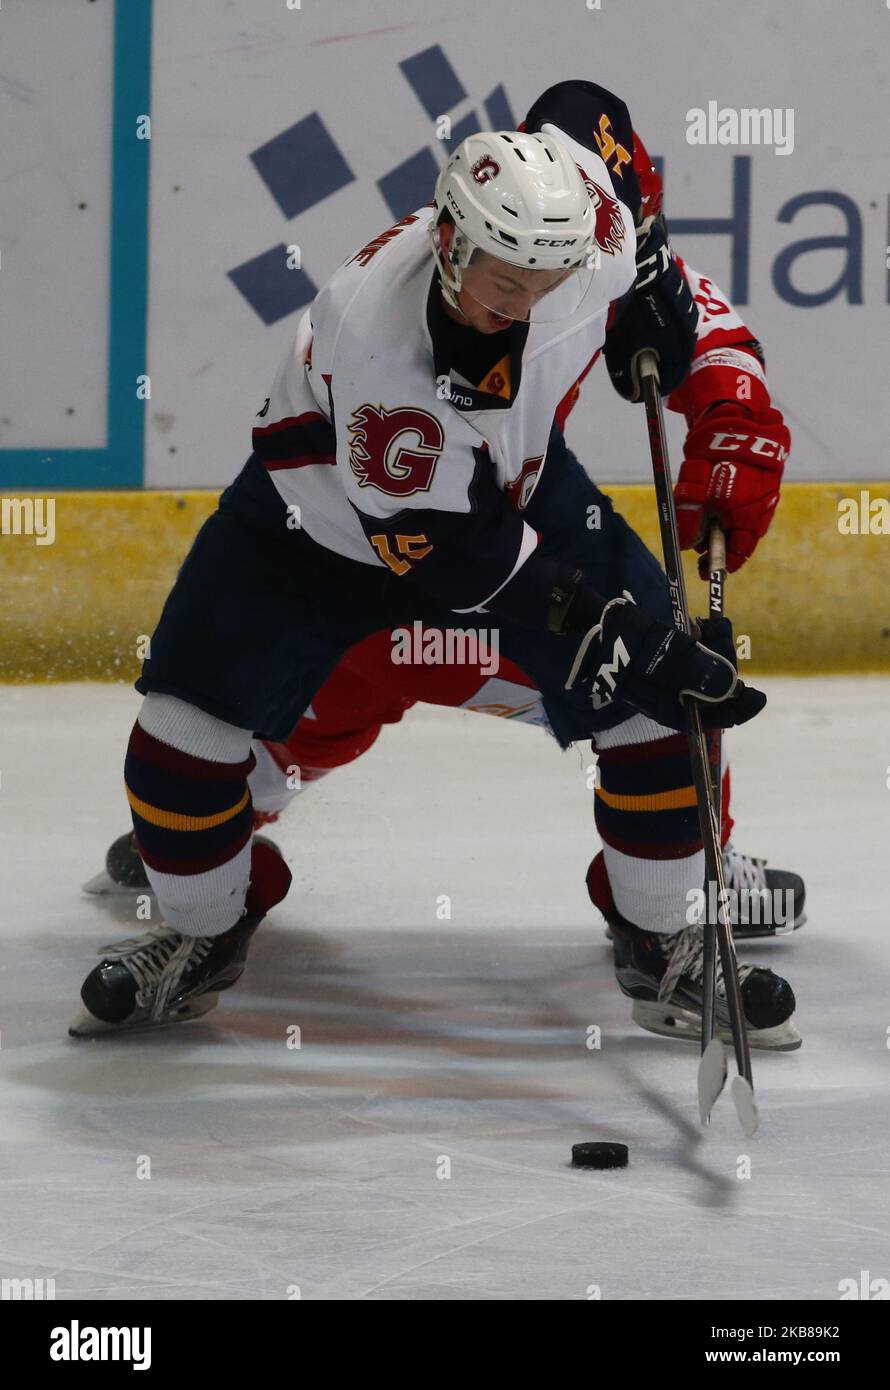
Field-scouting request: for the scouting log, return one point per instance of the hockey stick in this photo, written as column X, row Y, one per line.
column 716, row 575
column 712, row 1067
column 716, row 590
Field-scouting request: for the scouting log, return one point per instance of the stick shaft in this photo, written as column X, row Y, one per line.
column 716, row 595
column 716, row 578
column 698, row 750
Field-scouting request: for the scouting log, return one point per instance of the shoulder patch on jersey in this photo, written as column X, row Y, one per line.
column 520, row 489
column 395, row 451
column 609, row 229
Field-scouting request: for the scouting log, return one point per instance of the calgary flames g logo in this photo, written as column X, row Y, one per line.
column 485, row 169
column 609, row 229
column 395, row 451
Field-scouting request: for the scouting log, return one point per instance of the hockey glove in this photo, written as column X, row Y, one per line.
column 660, row 316
column 652, row 666
column 732, row 468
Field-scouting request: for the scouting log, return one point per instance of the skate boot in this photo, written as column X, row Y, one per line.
column 124, row 873
column 663, row 975
column 762, row 901
column 163, row 977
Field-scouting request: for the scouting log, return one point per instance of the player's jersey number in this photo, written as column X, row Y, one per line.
column 408, row 550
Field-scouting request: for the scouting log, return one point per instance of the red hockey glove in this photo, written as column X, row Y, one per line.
column 732, row 468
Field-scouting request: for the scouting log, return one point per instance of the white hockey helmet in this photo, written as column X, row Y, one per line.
column 520, row 197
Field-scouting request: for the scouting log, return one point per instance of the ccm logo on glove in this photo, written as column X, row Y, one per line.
column 757, row 444
column 604, row 683
column 732, row 469
column 654, row 667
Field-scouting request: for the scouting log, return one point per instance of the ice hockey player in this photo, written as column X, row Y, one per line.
column 429, row 486
column 727, row 406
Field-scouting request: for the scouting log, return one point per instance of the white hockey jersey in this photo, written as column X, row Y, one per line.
column 386, row 455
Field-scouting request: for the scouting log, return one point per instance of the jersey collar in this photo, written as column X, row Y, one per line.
column 462, row 397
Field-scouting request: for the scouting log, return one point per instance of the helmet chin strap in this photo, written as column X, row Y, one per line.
column 450, row 266
column 450, row 293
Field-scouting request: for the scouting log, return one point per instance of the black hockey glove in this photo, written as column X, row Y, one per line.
column 651, row 665
column 660, row 316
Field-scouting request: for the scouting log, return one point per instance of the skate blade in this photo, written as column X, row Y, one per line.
column 103, row 886
column 86, row 1025
column 670, row 1022
column 759, row 933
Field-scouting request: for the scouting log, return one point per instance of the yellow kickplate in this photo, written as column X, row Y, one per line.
column 83, row 582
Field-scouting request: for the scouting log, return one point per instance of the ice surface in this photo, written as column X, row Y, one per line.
column 274, row 1168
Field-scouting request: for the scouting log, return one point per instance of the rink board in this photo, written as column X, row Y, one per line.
column 152, row 286
column 813, row 600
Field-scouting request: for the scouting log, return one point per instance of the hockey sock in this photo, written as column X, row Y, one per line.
column 647, row 818
column 186, row 777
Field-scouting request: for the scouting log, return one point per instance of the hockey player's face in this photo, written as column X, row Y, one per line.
column 494, row 293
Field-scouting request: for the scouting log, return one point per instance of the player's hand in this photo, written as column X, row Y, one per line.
column 661, row 316
column 654, row 667
column 732, row 469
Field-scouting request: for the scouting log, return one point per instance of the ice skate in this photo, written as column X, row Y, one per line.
column 762, row 901
column 163, row 977
column 662, row 974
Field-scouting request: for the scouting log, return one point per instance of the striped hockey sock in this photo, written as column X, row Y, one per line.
column 186, row 778
column 647, row 818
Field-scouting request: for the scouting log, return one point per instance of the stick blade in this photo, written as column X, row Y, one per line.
column 746, row 1105
column 711, row 1078
column 100, row 885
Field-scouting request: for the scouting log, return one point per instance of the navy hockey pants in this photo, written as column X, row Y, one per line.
column 260, row 615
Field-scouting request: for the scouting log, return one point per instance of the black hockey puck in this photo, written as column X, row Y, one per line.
column 599, row 1155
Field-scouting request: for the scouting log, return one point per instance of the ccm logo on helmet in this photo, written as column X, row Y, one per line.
column 485, row 169
column 545, row 241
column 454, row 205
